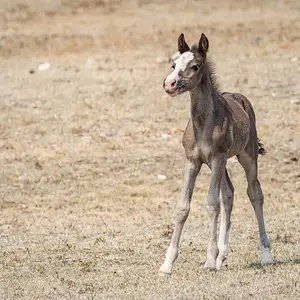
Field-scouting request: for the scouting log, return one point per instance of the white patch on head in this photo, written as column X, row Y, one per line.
column 183, row 60
column 181, row 64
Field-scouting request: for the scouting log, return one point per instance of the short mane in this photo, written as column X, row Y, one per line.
column 212, row 74
column 211, row 70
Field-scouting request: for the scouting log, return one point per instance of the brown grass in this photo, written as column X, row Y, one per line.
column 83, row 213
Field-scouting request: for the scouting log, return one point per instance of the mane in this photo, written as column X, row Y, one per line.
column 212, row 74
column 210, row 65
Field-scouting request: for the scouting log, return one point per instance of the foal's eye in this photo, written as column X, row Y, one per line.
column 195, row 68
column 173, row 67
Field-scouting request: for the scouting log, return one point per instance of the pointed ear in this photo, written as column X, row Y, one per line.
column 203, row 44
column 182, row 45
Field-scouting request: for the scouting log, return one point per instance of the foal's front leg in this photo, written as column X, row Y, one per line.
column 192, row 169
column 218, row 165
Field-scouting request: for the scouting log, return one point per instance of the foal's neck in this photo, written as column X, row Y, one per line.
column 203, row 100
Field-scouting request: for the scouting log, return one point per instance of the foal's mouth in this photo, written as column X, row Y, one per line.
column 172, row 93
column 177, row 91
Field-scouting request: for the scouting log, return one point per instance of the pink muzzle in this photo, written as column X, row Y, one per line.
column 170, row 84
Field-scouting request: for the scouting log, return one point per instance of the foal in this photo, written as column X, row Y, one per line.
column 221, row 126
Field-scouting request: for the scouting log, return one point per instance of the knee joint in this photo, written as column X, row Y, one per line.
column 228, row 202
column 230, row 195
column 213, row 204
column 182, row 213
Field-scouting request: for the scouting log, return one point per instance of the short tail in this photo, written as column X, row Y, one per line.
column 261, row 149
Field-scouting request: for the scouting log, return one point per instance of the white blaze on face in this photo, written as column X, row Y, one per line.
column 181, row 64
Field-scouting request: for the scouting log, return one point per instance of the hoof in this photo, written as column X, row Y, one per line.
column 220, row 262
column 165, row 270
column 267, row 259
column 266, row 262
column 210, row 265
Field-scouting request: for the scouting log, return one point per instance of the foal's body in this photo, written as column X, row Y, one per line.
column 226, row 127
column 221, row 126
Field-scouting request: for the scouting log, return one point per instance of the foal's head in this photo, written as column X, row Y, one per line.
column 188, row 68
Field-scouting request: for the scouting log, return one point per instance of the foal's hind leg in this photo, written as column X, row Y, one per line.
column 256, row 197
column 226, row 208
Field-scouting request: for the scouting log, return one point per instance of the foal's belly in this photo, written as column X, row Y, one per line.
column 240, row 137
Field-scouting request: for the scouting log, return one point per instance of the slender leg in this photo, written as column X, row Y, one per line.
column 213, row 207
column 256, row 197
column 226, row 208
column 183, row 207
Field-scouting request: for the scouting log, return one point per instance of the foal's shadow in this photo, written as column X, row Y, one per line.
column 276, row 263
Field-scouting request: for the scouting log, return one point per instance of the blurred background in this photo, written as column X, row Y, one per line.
column 91, row 156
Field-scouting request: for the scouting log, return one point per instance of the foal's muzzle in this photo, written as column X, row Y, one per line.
column 170, row 86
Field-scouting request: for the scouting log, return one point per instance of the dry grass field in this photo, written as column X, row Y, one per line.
column 84, row 213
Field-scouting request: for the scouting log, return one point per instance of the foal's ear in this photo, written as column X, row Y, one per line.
column 203, row 44
column 182, row 45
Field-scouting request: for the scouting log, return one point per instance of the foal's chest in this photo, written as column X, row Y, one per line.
column 198, row 148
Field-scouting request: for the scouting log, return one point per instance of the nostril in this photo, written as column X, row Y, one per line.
column 173, row 83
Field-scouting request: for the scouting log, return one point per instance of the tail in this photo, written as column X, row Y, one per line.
column 261, row 149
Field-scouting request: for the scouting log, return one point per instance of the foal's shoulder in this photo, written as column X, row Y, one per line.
column 223, row 108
